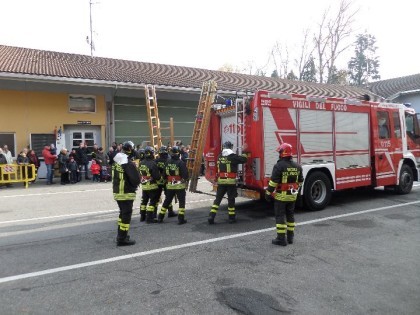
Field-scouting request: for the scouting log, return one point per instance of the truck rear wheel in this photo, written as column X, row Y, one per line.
column 317, row 191
column 406, row 180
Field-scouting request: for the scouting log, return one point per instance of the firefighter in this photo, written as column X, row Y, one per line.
column 285, row 182
column 227, row 167
column 150, row 175
column 125, row 180
column 176, row 176
column 161, row 161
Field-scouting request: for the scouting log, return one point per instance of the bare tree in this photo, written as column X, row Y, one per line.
column 280, row 57
column 331, row 37
column 305, row 55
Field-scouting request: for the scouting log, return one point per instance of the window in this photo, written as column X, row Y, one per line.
column 383, row 125
column 9, row 140
column 39, row 140
column 397, row 125
column 82, row 104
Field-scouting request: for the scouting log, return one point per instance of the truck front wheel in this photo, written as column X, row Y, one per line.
column 317, row 191
column 405, row 181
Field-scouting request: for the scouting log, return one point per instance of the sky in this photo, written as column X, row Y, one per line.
column 206, row 34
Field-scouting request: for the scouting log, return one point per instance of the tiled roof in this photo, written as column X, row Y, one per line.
column 18, row 60
column 388, row 88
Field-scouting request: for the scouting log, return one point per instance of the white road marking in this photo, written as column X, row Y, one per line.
column 55, row 193
column 186, row 245
column 82, row 214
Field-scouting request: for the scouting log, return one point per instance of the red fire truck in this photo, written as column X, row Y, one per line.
column 340, row 143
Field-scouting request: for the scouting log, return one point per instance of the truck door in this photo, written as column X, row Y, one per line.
column 387, row 143
column 412, row 123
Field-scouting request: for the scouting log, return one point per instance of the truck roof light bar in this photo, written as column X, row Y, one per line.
column 280, row 96
column 352, row 101
column 316, row 99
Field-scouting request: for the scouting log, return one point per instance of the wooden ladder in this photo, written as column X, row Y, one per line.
column 202, row 120
column 153, row 116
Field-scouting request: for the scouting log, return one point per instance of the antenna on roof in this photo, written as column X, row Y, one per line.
column 89, row 40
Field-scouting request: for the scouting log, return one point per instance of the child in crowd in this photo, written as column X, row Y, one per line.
column 95, row 169
column 73, row 169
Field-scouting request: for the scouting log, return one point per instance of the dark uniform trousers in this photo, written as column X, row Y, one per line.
column 284, row 209
column 153, row 196
column 124, row 218
column 162, row 188
column 170, row 194
column 231, row 194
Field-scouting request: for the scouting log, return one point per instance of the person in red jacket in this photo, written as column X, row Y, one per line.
column 95, row 169
column 49, row 160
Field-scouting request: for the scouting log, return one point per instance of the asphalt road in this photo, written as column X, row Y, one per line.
column 361, row 255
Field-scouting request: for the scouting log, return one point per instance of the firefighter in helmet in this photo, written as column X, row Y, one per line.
column 227, row 166
column 161, row 161
column 125, row 180
column 176, row 176
column 285, row 181
column 150, row 175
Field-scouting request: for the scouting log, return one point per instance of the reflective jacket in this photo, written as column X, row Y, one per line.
column 125, row 178
column 149, row 174
column 285, row 181
column 161, row 164
column 227, row 167
column 176, row 174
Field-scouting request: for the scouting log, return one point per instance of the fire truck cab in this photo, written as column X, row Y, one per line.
column 340, row 143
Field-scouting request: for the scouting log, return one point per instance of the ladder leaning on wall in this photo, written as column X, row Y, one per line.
column 153, row 116
column 202, row 120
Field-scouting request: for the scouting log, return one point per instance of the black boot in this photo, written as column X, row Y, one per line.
column 126, row 242
column 181, row 219
column 142, row 215
column 149, row 217
column 280, row 240
column 123, row 239
column 290, row 235
column 160, row 218
column 232, row 218
column 212, row 215
column 171, row 213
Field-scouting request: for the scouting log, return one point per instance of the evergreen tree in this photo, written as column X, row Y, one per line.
column 309, row 71
column 274, row 74
column 291, row 76
column 364, row 66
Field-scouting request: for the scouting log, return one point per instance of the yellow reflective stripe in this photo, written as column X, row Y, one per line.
column 149, row 186
column 281, row 228
column 119, row 221
column 290, row 228
column 181, row 211
column 228, row 181
column 128, row 196
column 291, row 224
column 121, row 188
column 142, row 207
column 228, row 168
column 231, row 210
column 176, row 186
column 272, row 184
column 163, row 210
column 150, row 208
column 124, row 226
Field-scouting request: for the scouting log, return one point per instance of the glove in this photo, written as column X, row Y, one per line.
column 268, row 196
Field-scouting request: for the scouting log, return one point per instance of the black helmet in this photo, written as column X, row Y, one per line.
column 175, row 151
column 228, row 145
column 128, row 146
column 149, row 152
column 141, row 153
column 163, row 150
